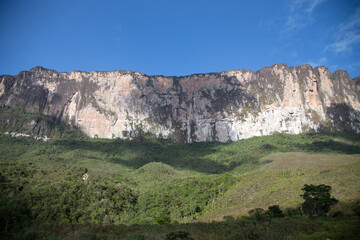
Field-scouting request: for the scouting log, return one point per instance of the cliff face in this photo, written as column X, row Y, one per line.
column 225, row 106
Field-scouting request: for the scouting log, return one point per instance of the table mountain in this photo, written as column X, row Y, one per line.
column 225, row 106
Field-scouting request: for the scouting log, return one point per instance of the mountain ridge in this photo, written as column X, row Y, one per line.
column 179, row 76
column 220, row 106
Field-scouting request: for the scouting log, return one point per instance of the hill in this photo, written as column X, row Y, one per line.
column 151, row 181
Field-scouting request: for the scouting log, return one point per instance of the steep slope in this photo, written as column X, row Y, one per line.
column 225, row 106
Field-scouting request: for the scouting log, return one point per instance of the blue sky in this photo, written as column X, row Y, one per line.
column 178, row 37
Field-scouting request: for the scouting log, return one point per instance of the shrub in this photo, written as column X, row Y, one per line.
column 275, row 212
column 137, row 237
column 178, row 235
column 163, row 220
column 356, row 208
column 259, row 214
column 336, row 214
column 318, row 200
column 291, row 211
column 229, row 218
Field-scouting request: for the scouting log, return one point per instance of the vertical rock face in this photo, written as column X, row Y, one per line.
column 225, row 106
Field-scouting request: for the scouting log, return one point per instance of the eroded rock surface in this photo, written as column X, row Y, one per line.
column 225, row 106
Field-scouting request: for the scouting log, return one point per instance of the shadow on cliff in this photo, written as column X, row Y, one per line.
column 183, row 101
column 135, row 154
column 343, row 117
column 345, row 121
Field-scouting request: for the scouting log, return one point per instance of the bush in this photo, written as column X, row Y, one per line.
column 259, row 214
column 356, row 208
column 229, row 218
column 291, row 211
column 137, row 237
column 178, row 235
column 336, row 214
column 318, row 200
column 275, row 212
column 163, row 220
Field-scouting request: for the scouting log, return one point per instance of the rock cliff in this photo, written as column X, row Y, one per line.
column 225, row 106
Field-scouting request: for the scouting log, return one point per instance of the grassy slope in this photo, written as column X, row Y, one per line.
column 280, row 182
column 133, row 161
column 222, row 179
column 151, row 162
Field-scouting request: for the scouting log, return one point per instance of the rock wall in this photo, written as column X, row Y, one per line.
column 225, row 106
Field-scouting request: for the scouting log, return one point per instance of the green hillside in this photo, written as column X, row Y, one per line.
column 151, row 182
column 280, row 182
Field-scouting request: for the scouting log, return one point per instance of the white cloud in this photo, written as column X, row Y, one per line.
column 305, row 5
column 347, row 34
column 300, row 12
column 293, row 23
column 312, row 5
column 344, row 43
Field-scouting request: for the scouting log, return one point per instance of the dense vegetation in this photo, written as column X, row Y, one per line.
column 168, row 189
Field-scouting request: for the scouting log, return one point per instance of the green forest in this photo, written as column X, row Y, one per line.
column 75, row 187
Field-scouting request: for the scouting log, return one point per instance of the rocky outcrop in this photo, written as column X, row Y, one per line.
column 225, row 106
column 17, row 134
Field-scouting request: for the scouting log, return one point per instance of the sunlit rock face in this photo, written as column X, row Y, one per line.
column 225, row 106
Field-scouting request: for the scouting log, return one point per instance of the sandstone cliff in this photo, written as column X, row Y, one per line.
column 225, row 106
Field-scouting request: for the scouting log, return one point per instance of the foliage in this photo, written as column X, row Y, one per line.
column 163, row 220
column 318, row 200
column 292, row 211
column 178, row 235
column 277, row 229
column 280, row 182
column 356, row 208
column 183, row 198
column 154, row 182
column 17, row 120
column 274, row 211
column 259, row 214
column 229, row 218
column 71, row 200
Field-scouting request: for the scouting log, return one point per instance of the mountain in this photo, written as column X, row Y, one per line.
column 225, row 106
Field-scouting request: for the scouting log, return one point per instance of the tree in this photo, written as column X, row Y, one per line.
column 318, row 200
column 274, row 211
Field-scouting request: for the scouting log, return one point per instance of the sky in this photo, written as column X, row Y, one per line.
column 178, row 37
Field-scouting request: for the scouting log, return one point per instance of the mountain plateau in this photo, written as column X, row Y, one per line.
column 225, row 106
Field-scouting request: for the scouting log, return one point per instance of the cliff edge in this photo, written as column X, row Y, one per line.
column 225, row 106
